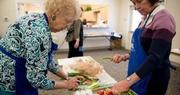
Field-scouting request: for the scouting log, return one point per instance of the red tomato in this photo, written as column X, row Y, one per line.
column 100, row 92
column 108, row 92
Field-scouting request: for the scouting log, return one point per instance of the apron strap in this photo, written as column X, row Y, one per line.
column 23, row 87
column 10, row 55
column 54, row 48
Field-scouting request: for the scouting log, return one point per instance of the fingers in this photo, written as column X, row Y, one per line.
column 74, row 82
column 80, row 78
column 119, row 89
column 76, row 45
column 114, row 92
column 75, row 86
column 117, row 58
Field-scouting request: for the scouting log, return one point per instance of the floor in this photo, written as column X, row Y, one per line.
column 117, row 71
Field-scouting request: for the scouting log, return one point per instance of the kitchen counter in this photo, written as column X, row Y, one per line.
column 107, row 36
column 175, row 51
column 175, row 56
column 92, row 39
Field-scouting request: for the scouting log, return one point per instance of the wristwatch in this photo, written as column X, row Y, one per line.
column 129, row 80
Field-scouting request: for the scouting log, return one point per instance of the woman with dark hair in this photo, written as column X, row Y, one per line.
column 74, row 38
column 149, row 64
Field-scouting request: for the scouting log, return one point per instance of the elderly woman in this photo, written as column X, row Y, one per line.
column 149, row 64
column 27, row 50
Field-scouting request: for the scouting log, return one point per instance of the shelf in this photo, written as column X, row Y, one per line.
column 175, row 51
column 95, row 27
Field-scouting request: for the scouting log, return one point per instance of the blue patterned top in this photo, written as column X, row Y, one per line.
column 30, row 38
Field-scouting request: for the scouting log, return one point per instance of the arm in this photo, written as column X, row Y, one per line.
column 37, row 57
column 71, row 83
column 55, row 69
column 77, row 26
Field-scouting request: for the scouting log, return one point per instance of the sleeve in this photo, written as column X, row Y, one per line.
column 77, row 26
column 36, row 61
column 155, row 57
column 53, row 67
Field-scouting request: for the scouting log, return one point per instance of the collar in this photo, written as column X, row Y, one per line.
column 155, row 11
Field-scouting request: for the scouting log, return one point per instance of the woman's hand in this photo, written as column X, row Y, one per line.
column 77, row 43
column 117, row 58
column 73, row 83
column 122, row 86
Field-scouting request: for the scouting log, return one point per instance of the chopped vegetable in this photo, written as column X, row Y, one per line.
column 108, row 91
column 130, row 92
column 107, row 58
column 94, row 85
column 72, row 74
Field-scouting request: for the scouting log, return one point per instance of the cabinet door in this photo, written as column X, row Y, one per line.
column 84, row 16
column 89, row 16
column 104, row 14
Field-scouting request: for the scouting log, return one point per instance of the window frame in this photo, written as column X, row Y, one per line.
column 134, row 23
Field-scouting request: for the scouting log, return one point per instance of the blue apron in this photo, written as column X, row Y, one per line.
column 22, row 86
column 138, row 56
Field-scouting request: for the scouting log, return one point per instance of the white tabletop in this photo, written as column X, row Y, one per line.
column 104, row 77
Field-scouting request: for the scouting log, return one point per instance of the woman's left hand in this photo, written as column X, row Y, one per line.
column 121, row 86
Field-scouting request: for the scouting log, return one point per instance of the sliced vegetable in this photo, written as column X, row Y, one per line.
column 94, row 85
column 130, row 92
column 108, row 91
column 107, row 58
column 72, row 74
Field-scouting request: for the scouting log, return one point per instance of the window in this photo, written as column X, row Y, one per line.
column 135, row 18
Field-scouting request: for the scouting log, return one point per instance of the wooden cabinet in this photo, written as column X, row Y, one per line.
column 89, row 16
column 104, row 14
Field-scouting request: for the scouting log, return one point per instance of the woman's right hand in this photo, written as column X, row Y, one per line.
column 117, row 58
column 73, row 83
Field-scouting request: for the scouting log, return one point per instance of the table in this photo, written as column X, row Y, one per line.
column 107, row 36
column 104, row 77
column 176, row 51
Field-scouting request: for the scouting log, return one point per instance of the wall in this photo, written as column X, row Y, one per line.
column 7, row 9
column 113, row 10
column 172, row 6
column 124, row 23
column 113, row 18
